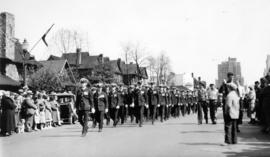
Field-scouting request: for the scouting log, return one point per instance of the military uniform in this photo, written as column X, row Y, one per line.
column 139, row 102
column 100, row 105
column 153, row 100
column 122, row 108
column 163, row 102
column 114, row 106
column 84, row 102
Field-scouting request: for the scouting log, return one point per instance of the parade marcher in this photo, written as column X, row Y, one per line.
column 84, row 102
column 8, row 115
column 100, row 106
column 212, row 97
column 168, row 103
column 130, row 102
column 139, row 103
column 145, row 89
column 231, row 114
column 162, row 103
column 153, row 100
column 113, row 99
column 107, row 115
column 174, row 98
column 122, row 107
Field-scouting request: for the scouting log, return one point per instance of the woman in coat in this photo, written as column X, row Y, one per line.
column 8, row 115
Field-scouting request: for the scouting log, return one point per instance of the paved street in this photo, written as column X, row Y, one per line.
column 176, row 137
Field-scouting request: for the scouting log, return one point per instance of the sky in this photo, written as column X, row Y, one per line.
column 195, row 34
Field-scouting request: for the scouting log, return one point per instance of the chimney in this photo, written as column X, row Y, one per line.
column 79, row 56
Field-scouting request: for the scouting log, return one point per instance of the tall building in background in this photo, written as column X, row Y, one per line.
column 229, row 66
column 266, row 70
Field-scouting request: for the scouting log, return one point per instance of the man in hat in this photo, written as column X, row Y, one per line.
column 153, row 101
column 139, row 103
column 122, row 110
column 130, row 102
column 145, row 89
column 84, row 103
column 101, row 106
column 174, row 99
column 162, row 102
column 114, row 104
column 28, row 111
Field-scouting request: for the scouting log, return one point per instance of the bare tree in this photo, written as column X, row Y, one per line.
column 159, row 68
column 67, row 40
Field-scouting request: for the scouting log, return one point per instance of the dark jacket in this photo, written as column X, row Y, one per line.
column 153, row 97
column 139, row 97
column 84, row 100
column 100, row 101
column 162, row 98
column 113, row 99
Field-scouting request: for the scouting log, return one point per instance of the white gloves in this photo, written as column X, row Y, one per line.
column 93, row 110
column 106, row 110
column 126, row 106
column 146, row 105
column 132, row 105
column 117, row 107
column 158, row 105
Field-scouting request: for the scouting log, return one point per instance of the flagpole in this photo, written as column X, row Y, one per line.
column 35, row 45
column 41, row 38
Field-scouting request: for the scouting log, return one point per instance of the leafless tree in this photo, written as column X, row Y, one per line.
column 67, row 40
column 159, row 68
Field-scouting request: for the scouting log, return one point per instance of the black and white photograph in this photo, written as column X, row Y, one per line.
column 134, row 78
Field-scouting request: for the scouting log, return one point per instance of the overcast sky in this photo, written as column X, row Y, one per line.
column 196, row 34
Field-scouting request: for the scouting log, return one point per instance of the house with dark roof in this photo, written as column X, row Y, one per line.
column 132, row 73
column 89, row 67
column 60, row 69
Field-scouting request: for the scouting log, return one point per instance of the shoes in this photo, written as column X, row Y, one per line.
column 99, row 130
column 84, row 134
column 224, row 144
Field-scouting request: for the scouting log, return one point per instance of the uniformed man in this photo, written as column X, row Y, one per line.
column 100, row 105
column 130, row 102
column 139, row 103
column 168, row 103
column 107, row 115
column 145, row 89
column 162, row 102
column 174, row 98
column 122, row 108
column 114, row 104
column 84, row 103
column 153, row 101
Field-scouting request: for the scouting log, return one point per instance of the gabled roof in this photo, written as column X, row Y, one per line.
column 117, row 66
column 55, row 66
column 132, row 69
column 87, row 62
column 52, row 57
column 72, row 57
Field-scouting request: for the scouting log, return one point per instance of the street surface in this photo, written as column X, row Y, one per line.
column 173, row 138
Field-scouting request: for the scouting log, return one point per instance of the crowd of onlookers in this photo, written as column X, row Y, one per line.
column 26, row 111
